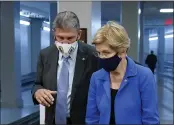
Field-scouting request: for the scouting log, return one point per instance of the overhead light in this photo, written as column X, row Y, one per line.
column 24, row 22
column 153, row 38
column 156, row 38
column 46, row 29
column 169, row 36
column 139, row 11
column 166, row 10
column 46, row 22
column 139, row 34
column 22, row 14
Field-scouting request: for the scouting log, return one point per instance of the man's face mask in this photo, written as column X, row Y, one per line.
column 65, row 48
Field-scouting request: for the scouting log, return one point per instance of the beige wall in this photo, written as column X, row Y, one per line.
column 83, row 11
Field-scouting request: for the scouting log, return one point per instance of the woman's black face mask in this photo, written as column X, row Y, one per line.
column 109, row 64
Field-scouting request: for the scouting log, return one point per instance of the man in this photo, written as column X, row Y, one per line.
column 151, row 61
column 63, row 73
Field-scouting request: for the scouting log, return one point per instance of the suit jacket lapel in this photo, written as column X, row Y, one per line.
column 54, row 65
column 107, row 88
column 79, row 69
column 106, row 83
column 104, row 79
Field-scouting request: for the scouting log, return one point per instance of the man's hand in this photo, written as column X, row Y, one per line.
column 44, row 97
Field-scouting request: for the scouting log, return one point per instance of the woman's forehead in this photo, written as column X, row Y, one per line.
column 103, row 47
column 106, row 47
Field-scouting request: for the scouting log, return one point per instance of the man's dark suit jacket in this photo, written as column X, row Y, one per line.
column 86, row 64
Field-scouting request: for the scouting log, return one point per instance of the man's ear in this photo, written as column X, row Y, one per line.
column 54, row 34
column 79, row 34
column 54, row 38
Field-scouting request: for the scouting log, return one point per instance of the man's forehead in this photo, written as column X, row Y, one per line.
column 68, row 30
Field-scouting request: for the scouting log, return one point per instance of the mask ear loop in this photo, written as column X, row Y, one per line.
column 117, row 55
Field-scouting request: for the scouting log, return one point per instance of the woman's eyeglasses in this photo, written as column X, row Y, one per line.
column 103, row 55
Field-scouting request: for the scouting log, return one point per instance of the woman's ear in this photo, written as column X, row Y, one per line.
column 123, row 55
column 127, row 50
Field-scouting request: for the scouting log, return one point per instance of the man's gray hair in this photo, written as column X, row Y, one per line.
column 66, row 19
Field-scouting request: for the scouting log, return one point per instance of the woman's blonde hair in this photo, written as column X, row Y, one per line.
column 113, row 34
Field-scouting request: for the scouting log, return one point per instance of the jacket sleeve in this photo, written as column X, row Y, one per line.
column 38, row 82
column 92, row 113
column 149, row 99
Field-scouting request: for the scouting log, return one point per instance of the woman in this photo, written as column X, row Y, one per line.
column 122, row 92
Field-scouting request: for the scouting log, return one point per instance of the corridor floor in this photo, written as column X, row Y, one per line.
column 165, row 98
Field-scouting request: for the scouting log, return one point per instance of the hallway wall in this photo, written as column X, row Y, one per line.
column 26, row 47
column 25, row 50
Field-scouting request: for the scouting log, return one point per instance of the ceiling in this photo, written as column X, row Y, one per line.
column 35, row 8
column 107, row 8
column 151, row 9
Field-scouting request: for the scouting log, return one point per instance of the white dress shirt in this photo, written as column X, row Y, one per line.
column 72, row 62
